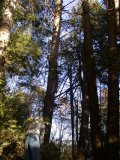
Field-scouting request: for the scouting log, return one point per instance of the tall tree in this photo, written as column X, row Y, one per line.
column 113, row 85
column 52, row 76
column 72, row 108
column 83, row 138
column 91, row 83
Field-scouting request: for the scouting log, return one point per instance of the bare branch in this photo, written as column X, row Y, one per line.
column 68, row 4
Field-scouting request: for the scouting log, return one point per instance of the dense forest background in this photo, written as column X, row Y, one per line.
column 61, row 63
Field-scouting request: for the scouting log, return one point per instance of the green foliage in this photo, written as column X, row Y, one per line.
column 11, row 134
column 67, row 152
column 2, row 109
column 20, row 15
column 13, row 115
column 21, row 43
column 25, row 11
column 18, row 107
column 22, row 54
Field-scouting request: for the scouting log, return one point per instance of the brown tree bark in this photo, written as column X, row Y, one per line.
column 113, row 86
column 91, row 83
column 52, row 76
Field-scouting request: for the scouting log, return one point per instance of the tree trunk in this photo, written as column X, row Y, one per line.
column 52, row 76
column 72, row 110
column 117, row 14
column 91, row 84
column 77, row 117
column 113, row 86
column 6, row 12
column 83, row 138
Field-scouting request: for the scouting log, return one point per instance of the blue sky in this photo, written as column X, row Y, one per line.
column 70, row 5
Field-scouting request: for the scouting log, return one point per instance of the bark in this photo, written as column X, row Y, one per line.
column 72, row 111
column 113, row 86
column 82, row 143
column 91, row 84
column 52, row 76
column 5, row 24
column 76, row 127
column 83, row 138
column 117, row 14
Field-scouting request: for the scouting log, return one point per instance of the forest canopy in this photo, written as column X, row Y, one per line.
column 60, row 60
